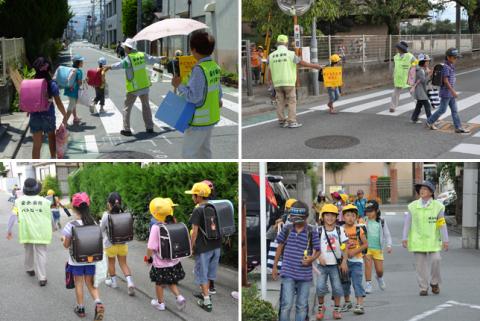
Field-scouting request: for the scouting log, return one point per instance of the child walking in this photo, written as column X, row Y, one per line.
column 360, row 203
column 118, row 251
column 333, row 92
column 448, row 94
column 164, row 273
column 44, row 122
column 100, row 91
column 357, row 243
column 419, row 90
column 332, row 260
column 82, row 272
column 203, row 90
column 72, row 92
column 378, row 236
column 55, row 207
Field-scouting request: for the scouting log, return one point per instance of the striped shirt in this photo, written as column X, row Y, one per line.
column 293, row 252
column 449, row 72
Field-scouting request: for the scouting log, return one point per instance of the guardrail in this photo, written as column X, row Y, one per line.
column 12, row 51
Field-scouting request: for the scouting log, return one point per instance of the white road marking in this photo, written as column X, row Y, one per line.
column 390, row 213
column 373, row 104
column 154, row 108
column 230, row 105
column 168, row 140
column 91, row 144
column 354, row 99
column 441, row 307
column 464, row 148
column 462, row 104
column 113, row 123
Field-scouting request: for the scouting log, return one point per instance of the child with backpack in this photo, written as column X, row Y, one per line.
column 119, row 251
column 72, row 92
column 332, row 262
column 165, row 273
column 448, row 94
column 44, row 122
column 55, row 207
column 100, row 89
column 419, row 89
column 378, row 236
column 333, row 92
column 357, row 244
column 82, row 272
column 300, row 246
column 360, row 203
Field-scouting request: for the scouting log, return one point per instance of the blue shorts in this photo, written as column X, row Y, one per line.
column 206, row 265
column 56, row 214
column 78, row 270
column 42, row 122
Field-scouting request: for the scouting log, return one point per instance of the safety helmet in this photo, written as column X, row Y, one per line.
column 201, row 189
column 50, row 192
column 160, row 208
column 102, row 61
column 335, row 58
column 329, row 208
column 289, row 203
column 344, row 198
column 350, row 207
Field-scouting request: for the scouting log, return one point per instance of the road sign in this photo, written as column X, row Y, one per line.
column 332, row 77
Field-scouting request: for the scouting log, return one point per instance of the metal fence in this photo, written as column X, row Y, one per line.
column 12, row 51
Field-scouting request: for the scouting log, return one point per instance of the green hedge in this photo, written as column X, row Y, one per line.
column 138, row 185
column 50, row 182
column 384, row 188
column 254, row 308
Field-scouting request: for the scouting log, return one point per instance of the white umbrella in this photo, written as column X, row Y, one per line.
column 169, row 27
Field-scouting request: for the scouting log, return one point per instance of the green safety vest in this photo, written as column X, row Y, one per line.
column 34, row 220
column 140, row 79
column 424, row 236
column 209, row 112
column 402, row 66
column 282, row 67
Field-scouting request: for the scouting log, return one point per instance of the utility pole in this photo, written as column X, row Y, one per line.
column 458, row 25
column 314, row 57
column 139, row 15
column 93, row 22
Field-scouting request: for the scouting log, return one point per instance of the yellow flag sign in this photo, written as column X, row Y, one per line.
column 332, row 77
column 186, row 65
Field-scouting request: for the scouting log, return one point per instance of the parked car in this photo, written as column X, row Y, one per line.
column 276, row 196
column 447, row 197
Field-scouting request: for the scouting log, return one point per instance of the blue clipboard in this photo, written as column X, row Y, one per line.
column 176, row 112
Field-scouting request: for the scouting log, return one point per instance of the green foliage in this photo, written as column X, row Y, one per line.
column 335, row 168
column 129, row 18
column 26, row 73
column 313, row 181
column 35, row 21
column 436, row 27
column 447, row 170
column 294, row 166
column 384, row 188
column 254, row 308
column 50, row 182
column 139, row 185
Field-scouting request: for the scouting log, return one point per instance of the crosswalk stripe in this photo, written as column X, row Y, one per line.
column 355, row 99
column 373, row 104
column 112, row 119
column 154, row 108
column 461, row 105
column 91, row 144
column 464, row 148
column 230, row 105
column 399, row 110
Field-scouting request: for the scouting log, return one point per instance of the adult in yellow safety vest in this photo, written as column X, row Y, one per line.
column 34, row 217
column 283, row 75
column 403, row 60
column 425, row 234
column 203, row 89
column 137, row 83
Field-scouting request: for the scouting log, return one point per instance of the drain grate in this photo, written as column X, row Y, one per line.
column 332, row 142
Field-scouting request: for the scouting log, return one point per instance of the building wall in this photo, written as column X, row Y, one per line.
column 113, row 21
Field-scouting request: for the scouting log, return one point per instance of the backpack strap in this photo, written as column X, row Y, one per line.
column 382, row 221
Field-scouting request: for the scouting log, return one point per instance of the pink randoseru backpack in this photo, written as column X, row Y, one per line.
column 33, row 95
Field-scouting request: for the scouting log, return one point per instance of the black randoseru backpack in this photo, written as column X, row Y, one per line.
column 219, row 219
column 120, row 228
column 437, row 75
column 174, row 241
column 87, row 245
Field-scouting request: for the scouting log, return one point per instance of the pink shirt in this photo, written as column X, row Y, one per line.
column 154, row 244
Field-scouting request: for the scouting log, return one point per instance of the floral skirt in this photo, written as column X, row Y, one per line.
column 167, row 275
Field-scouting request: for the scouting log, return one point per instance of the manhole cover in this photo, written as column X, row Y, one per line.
column 332, row 142
column 125, row 154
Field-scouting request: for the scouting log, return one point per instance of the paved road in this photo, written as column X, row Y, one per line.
column 400, row 301
column 22, row 299
column 365, row 117
column 99, row 136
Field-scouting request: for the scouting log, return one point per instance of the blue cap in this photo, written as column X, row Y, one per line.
column 102, row 61
column 427, row 184
column 78, row 58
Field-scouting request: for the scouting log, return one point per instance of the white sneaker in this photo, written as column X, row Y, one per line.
column 111, row 283
column 381, row 283
column 157, row 305
column 181, row 302
column 368, row 287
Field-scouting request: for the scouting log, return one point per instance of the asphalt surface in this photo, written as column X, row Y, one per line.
column 458, row 298
column 99, row 136
column 365, row 117
column 22, row 299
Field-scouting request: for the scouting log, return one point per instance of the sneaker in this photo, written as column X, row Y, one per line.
column 347, row 306
column 212, row 290
column 181, row 303
column 102, row 111
column 358, row 309
column 431, row 126
column 207, row 306
column 435, row 288
column 42, row 282
column 381, row 283
column 111, row 283
column 294, row 125
column 321, row 312
column 282, row 123
column 368, row 287
column 79, row 311
column 131, row 290
column 126, row 132
column 99, row 312
column 462, row 131
column 31, row 273
column 157, row 305
column 392, row 110
column 423, row 293
column 92, row 108
column 418, row 121
column 198, row 295
column 337, row 315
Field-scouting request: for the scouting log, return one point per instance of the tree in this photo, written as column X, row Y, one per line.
column 335, row 168
column 257, row 12
column 473, row 11
column 304, row 167
column 129, row 16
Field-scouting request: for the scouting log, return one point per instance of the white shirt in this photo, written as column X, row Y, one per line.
column 325, row 251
